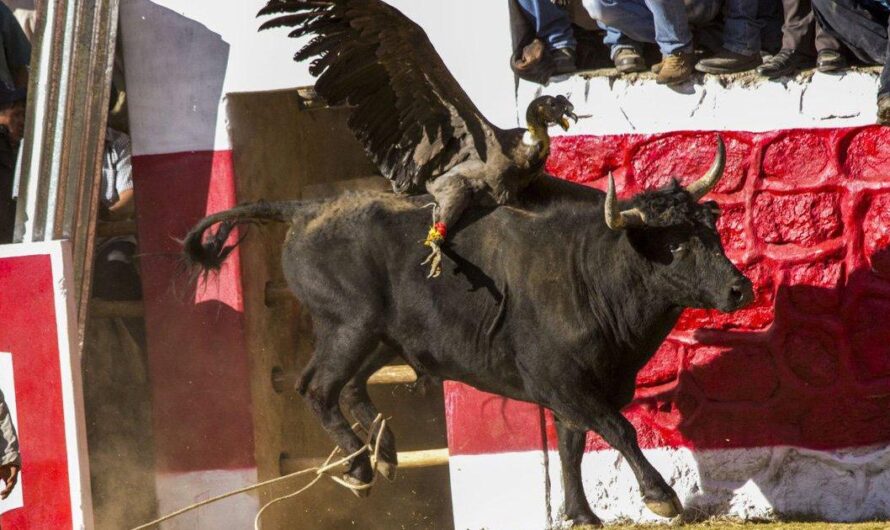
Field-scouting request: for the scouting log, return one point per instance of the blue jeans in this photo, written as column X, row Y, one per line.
column 665, row 22
column 864, row 30
column 552, row 24
column 741, row 28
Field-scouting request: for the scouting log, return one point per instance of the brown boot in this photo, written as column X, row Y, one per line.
column 675, row 68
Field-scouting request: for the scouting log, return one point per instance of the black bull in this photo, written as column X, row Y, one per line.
column 542, row 302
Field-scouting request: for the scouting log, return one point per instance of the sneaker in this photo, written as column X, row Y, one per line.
column 784, row 63
column 676, row 68
column 563, row 61
column 728, row 62
column 884, row 110
column 628, row 60
column 830, row 61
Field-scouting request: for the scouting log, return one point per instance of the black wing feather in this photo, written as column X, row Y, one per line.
column 410, row 114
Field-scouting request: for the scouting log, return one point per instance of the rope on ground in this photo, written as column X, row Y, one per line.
column 321, row 471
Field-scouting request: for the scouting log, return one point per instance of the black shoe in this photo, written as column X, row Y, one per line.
column 728, row 62
column 786, row 62
column 563, row 61
column 629, row 60
column 831, row 61
column 884, row 110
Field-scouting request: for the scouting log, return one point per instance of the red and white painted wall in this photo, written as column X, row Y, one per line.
column 778, row 408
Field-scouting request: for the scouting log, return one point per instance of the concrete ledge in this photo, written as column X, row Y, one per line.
column 742, row 102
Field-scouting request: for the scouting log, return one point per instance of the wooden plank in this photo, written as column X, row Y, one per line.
column 116, row 228
column 116, row 309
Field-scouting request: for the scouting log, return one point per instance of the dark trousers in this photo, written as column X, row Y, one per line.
column 801, row 31
column 863, row 31
column 8, row 154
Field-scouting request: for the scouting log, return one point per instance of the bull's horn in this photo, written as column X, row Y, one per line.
column 702, row 186
column 619, row 220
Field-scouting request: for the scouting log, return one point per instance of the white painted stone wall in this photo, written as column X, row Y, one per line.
column 636, row 104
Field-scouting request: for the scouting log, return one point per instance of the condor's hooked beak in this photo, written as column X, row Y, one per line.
column 564, row 121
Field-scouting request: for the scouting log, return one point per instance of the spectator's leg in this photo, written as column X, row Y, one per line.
column 741, row 29
column 741, row 40
column 770, row 16
column 552, row 24
column 799, row 27
column 671, row 21
column 628, row 18
column 865, row 34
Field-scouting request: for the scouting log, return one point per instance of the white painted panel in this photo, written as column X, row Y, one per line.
column 178, row 490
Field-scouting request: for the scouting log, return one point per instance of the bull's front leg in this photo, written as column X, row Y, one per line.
column 571, row 451
column 597, row 415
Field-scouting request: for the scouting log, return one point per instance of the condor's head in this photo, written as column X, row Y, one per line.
column 676, row 235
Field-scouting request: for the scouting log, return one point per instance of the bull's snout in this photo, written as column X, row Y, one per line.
column 739, row 295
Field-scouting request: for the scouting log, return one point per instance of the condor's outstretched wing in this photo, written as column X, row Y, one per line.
column 411, row 115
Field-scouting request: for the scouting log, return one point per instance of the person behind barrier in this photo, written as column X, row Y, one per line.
column 667, row 23
column 553, row 27
column 12, row 127
column 862, row 26
column 803, row 39
column 15, row 51
column 116, row 276
column 10, row 459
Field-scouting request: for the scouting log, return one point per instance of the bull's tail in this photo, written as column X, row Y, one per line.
column 207, row 255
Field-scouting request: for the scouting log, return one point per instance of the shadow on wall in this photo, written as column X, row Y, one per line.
column 197, row 363
column 807, row 218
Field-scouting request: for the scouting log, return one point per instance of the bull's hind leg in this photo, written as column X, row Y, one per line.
column 356, row 399
column 571, row 451
column 338, row 356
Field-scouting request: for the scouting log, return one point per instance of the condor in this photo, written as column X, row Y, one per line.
column 558, row 300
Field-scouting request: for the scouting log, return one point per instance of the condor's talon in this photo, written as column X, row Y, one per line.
column 434, row 240
column 434, row 260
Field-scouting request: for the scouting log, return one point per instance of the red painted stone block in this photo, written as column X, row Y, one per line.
column 686, row 157
column 867, row 156
column 868, row 325
column 811, row 356
column 804, row 219
column 734, row 373
column 876, row 231
column 815, row 287
column 663, row 366
column 731, row 226
column 585, row 159
column 798, row 157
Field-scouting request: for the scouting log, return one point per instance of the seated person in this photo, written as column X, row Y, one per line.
column 553, row 26
column 116, row 277
column 801, row 38
column 861, row 26
column 741, row 40
column 665, row 22
column 10, row 460
column 12, row 127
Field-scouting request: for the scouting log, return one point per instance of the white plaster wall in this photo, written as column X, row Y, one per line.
column 492, row 492
column 183, row 56
column 623, row 105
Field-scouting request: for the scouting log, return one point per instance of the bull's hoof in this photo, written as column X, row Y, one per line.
column 670, row 507
column 585, row 521
column 387, row 469
column 361, row 490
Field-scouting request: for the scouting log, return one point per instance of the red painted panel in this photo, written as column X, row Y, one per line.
column 28, row 332
column 807, row 218
column 198, row 359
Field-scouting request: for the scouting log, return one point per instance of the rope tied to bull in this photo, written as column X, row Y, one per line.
column 372, row 445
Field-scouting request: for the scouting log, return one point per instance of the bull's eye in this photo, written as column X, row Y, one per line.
column 678, row 249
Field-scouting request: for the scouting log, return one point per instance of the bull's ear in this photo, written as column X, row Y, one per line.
column 713, row 207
